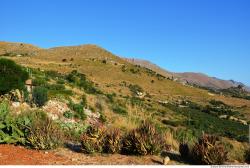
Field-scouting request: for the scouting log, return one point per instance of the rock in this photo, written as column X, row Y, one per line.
column 223, row 116
column 74, row 159
column 166, row 160
column 16, row 104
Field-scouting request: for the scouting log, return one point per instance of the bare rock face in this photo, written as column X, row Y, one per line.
column 55, row 109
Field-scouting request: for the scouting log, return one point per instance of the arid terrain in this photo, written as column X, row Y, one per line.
column 88, row 86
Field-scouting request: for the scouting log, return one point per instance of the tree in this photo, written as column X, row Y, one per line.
column 12, row 76
column 40, row 96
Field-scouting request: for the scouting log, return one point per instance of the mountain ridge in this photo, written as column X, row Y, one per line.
column 197, row 78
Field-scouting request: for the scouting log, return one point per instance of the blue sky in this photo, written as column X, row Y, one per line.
column 209, row 36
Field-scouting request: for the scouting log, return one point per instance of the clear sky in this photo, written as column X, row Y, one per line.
column 209, row 36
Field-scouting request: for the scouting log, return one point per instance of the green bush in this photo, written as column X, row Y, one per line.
column 68, row 114
column 81, row 81
column 39, row 82
column 78, row 109
column 200, row 122
column 102, row 118
column 73, row 131
column 12, row 76
column 40, row 96
column 144, row 140
column 119, row 110
column 208, row 151
column 9, row 130
column 135, row 89
column 56, row 87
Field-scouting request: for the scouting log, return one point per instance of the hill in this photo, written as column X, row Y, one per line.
column 199, row 79
column 88, row 85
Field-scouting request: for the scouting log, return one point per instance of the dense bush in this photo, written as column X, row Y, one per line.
column 247, row 156
column 55, row 87
column 135, row 89
column 144, row 140
column 112, row 141
column 93, row 140
column 40, row 131
column 68, row 114
column 9, row 130
column 119, row 110
column 12, row 76
column 39, row 82
column 78, row 109
column 200, row 122
column 81, row 81
column 73, row 131
column 40, row 96
column 184, row 150
column 208, row 151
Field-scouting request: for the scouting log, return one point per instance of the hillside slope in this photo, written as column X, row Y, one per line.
column 111, row 90
column 199, row 79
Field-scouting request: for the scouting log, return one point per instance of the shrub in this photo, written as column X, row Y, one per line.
column 135, row 89
column 81, row 81
column 112, row 142
column 111, row 97
column 78, row 109
column 84, row 100
column 73, row 131
column 247, row 156
column 102, row 118
column 184, row 150
column 207, row 151
column 12, row 76
column 119, row 110
column 144, row 140
column 40, row 96
column 43, row 133
column 92, row 141
column 9, row 130
column 39, row 82
column 56, row 87
column 68, row 114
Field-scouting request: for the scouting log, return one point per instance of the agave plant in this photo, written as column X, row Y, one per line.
column 144, row 140
column 112, row 142
column 184, row 150
column 93, row 140
column 209, row 151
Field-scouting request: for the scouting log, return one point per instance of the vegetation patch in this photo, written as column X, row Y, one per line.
column 12, row 76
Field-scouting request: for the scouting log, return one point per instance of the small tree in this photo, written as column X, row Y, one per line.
column 40, row 96
column 12, row 76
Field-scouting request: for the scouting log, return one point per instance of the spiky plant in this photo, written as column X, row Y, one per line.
column 112, row 142
column 247, row 155
column 144, row 140
column 184, row 150
column 92, row 141
column 208, row 151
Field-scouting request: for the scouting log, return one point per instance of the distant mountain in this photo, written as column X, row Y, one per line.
column 199, row 79
column 150, row 65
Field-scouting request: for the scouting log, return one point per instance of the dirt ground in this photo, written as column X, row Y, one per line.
column 18, row 155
